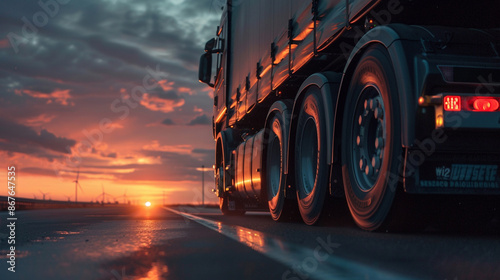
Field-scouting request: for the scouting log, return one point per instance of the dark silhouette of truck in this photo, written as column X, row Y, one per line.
column 368, row 101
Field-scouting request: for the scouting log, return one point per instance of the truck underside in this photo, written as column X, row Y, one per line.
column 360, row 100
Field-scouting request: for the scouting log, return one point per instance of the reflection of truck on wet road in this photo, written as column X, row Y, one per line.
column 357, row 99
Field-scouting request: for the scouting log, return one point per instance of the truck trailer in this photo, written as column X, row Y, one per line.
column 362, row 100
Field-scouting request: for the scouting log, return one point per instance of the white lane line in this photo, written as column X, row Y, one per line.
column 304, row 263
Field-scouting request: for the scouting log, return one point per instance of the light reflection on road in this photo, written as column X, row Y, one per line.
column 251, row 238
column 98, row 250
column 254, row 239
column 157, row 271
column 291, row 254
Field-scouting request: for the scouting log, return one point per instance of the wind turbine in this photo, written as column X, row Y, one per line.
column 34, row 196
column 104, row 194
column 77, row 184
column 68, row 197
column 44, row 194
column 124, row 197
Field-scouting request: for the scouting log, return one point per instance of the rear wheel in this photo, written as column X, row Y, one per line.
column 311, row 169
column 371, row 143
column 280, row 208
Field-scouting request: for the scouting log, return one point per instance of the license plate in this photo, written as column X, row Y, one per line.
column 474, row 176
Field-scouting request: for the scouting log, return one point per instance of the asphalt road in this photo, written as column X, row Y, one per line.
column 199, row 243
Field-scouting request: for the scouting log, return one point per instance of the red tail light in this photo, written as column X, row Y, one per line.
column 452, row 103
column 455, row 103
column 484, row 104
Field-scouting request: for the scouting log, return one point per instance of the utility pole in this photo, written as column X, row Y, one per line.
column 202, row 169
column 203, row 185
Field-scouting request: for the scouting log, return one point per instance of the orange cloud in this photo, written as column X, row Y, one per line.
column 134, row 160
column 40, row 120
column 115, row 125
column 58, row 96
column 155, row 103
column 185, row 90
column 209, row 91
column 155, row 146
column 166, row 85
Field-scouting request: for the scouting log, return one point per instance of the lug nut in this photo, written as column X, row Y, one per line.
column 379, row 143
column 369, row 170
column 362, row 164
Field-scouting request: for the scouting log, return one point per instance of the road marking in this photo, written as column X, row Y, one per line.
column 292, row 255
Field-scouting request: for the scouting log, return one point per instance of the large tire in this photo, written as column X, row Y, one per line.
column 311, row 169
column 371, row 140
column 274, row 177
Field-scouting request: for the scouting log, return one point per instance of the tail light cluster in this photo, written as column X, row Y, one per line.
column 471, row 103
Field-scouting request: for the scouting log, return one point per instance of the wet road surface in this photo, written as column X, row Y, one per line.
column 200, row 243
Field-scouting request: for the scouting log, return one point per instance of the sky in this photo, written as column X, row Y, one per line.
column 107, row 89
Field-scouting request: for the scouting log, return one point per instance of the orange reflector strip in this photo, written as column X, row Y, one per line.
column 452, row 103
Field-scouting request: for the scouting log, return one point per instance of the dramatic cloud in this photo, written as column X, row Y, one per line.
column 200, row 120
column 203, row 151
column 18, row 134
column 40, row 120
column 167, row 122
column 156, row 147
column 58, row 96
column 77, row 73
column 161, row 103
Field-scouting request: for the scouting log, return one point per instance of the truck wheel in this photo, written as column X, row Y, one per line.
column 274, row 177
column 371, row 143
column 311, row 170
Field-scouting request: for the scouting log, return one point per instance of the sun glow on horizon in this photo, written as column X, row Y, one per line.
column 148, row 204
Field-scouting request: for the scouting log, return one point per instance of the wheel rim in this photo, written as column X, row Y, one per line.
column 309, row 155
column 369, row 137
column 274, row 166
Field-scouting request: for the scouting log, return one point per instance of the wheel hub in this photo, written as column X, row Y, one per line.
column 309, row 157
column 368, row 137
column 274, row 166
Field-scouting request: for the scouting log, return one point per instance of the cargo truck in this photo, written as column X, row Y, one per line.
column 360, row 100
